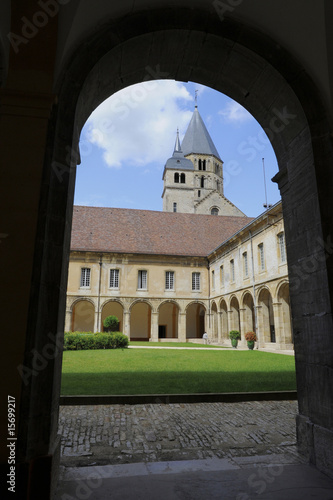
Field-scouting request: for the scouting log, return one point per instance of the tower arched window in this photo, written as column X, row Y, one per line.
column 182, row 178
column 202, row 182
column 176, row 177
column 200, row 165
column 203, row 164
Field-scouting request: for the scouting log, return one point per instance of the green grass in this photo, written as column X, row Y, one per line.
column 176, row 344
column 155, row 371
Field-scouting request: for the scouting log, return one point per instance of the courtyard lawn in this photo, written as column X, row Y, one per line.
column 159, row 371
column 175, row 344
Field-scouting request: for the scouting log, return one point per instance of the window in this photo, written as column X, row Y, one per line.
column 175, row 207
column 202, row 182
column 213, row 280
column 199, row 193
column 214, row 211
column 245, row 265
column 182, row 178
column 200, row 165
column 261, row 257
column 282, row 247
column 221, row 275
column 114, row 278
column 85, row 277
column 195, row 281
column 169, row 280
column 142, row 280
column 203, row 164
column 176, row 177
column 232, row 270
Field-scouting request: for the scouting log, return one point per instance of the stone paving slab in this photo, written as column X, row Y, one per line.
column 122, row 434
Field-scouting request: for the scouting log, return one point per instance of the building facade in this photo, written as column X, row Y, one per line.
column 176, row 274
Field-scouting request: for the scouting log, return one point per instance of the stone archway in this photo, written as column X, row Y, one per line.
column 258, row 73
column 112, row 308
column 234, row 318
column 168, row 317
column 215, row 323
column 195, row 320
column 140, row 321
column 249, row 313
column 224, row 322
column 266, row 321
column 83, row 316
column 285, row 320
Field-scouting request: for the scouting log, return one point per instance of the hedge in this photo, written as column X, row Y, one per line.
column 77, row 340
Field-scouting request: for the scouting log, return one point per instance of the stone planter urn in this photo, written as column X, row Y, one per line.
column 234, row 336
column 250, row 337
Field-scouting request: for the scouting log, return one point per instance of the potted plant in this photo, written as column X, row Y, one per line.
column 234, row 336
column 251, row 338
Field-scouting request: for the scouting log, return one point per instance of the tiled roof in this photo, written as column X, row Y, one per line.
column 148, row 232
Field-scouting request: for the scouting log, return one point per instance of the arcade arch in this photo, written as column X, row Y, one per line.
column 266, row 317
column 83, row 316
column 112, row 308
column 249, row 313
column 224, row 321
column 168, row 318
column 234, row 319
column 214, row 322
column 195, row 320
column 140, row 321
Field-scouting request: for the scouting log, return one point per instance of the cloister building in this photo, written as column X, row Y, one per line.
column 198, row 266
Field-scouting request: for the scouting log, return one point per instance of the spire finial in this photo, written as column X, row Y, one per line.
column 196, row 98
column 177, row 145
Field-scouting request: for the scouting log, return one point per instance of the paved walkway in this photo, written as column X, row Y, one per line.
column 122, row 434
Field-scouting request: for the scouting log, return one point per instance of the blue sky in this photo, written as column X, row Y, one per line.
column 127, row 140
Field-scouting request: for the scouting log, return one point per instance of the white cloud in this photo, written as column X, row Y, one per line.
column 138, row 125
column 235, row 113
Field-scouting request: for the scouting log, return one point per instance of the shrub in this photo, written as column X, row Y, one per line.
column 234, row 334
column 76, row 340
column 250, row 336
column 111, row 323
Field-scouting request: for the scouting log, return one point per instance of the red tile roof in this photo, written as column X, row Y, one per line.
column 122, row 230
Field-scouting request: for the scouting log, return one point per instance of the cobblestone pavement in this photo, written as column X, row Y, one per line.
column 119, row 434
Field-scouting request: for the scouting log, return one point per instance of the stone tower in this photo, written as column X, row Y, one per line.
column 193, row 176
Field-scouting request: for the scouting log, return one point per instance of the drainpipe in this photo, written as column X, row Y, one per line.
column 208, row 294
column 254, row 292
column 99, row 292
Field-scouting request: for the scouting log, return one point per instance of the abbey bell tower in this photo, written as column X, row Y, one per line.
column 193, row 176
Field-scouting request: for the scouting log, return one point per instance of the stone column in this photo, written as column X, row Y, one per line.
column 242, row 320
column 219, row 327
column 126, row 324
column 182, row 327
column 68, row 320
column 154, row 326
column 278, row 326
column 260, row 327
column 97, row 327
